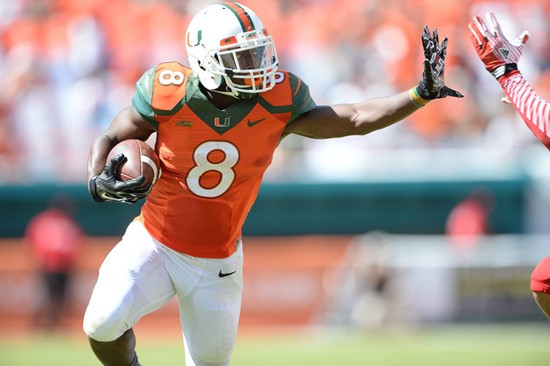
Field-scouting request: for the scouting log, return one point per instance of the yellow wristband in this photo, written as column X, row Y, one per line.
column 416, row 99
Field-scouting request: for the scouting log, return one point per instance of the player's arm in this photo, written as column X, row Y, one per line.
column 103, row 183
column 500, row 58
column 127, row 124
column 534, row 110
column 371, row 115
column 352, row 119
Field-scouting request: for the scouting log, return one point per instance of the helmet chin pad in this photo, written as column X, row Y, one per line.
column 209, row 80
column 202, row 68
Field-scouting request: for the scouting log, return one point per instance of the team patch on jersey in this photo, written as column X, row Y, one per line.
column 185, row 123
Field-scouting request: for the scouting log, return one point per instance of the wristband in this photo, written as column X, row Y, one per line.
column 503, row 70
column 416, row 99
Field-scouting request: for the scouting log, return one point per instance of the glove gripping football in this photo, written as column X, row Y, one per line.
column 107, row 187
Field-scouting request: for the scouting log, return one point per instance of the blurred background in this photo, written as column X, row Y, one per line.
column 438, row 220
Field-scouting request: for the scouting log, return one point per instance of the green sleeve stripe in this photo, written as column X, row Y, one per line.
column 172, row 111
column 144, row 109
column 144, row 96
column 145, row 84
column 272, row 108
column 150, row 81
column 294, row 82
column 301, row 99
column 142, row 105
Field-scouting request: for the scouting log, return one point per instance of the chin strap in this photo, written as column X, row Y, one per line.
column 232, row 93
column 227, row 92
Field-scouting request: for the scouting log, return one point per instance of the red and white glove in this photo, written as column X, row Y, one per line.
column 499, row 55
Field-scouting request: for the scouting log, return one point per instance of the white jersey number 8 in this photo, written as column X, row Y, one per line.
column 203, row 165
column 169, row 77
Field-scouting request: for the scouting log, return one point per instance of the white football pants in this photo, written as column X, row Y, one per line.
column 140, row 275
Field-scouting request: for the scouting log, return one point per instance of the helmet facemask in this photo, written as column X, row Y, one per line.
column 244, row 64
column 247, row 62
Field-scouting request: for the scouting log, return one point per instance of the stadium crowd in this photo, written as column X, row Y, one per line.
column 67, row 66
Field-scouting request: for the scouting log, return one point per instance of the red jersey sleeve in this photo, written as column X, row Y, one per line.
column 533, row 109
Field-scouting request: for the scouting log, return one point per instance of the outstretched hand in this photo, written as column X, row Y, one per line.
column 498, row 54
column 432, row 85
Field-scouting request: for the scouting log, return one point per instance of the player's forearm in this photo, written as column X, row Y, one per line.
column 342, row 120
column 127, row 124
column 534, row 110
column 378, row 113
column 98, row 154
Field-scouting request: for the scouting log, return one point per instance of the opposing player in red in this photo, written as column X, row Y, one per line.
column 501, row 57
column 55, row 238
column 218, row 124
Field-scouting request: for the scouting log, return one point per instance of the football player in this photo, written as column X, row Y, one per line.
column 218, row 123
column 500, row 57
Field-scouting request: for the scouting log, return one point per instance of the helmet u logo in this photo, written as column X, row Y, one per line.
column 199, row 38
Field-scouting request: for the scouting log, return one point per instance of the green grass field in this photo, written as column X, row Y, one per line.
column 480, row 345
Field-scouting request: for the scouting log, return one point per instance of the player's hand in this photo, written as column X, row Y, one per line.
column 107, row 187
column 432, row 85
column 499, row 55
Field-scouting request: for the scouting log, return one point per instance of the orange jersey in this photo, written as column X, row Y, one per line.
column 212, row 160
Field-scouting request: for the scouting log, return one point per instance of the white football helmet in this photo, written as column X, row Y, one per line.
column 227, row 42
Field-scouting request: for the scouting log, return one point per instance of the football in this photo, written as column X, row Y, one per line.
column 141, row 160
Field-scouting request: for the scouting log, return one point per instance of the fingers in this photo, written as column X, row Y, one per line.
column 481, row 26
column 476, row 36
column 114, row 163
column 435, row 38
column 144, row 190
column 118, row 159
column 131, row 184
column 426, row 33
column 426, row 41
column 523, row 37
column 520, row 40
column 480, row 32
column 431, row 42
column 443, row 51
column 494, row 23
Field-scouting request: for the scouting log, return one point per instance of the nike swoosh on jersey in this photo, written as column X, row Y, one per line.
column 252, row 123
column 221, row 274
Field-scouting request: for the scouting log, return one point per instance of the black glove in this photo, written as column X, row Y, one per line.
column 107, row 187
column 432, row 85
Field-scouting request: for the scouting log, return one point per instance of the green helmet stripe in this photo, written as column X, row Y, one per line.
column 242, row 16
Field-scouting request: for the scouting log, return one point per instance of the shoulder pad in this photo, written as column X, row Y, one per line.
column 281, row 94
column 169, row 85
column 162, row 87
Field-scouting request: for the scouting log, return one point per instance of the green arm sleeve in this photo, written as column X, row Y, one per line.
column 301, row 99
